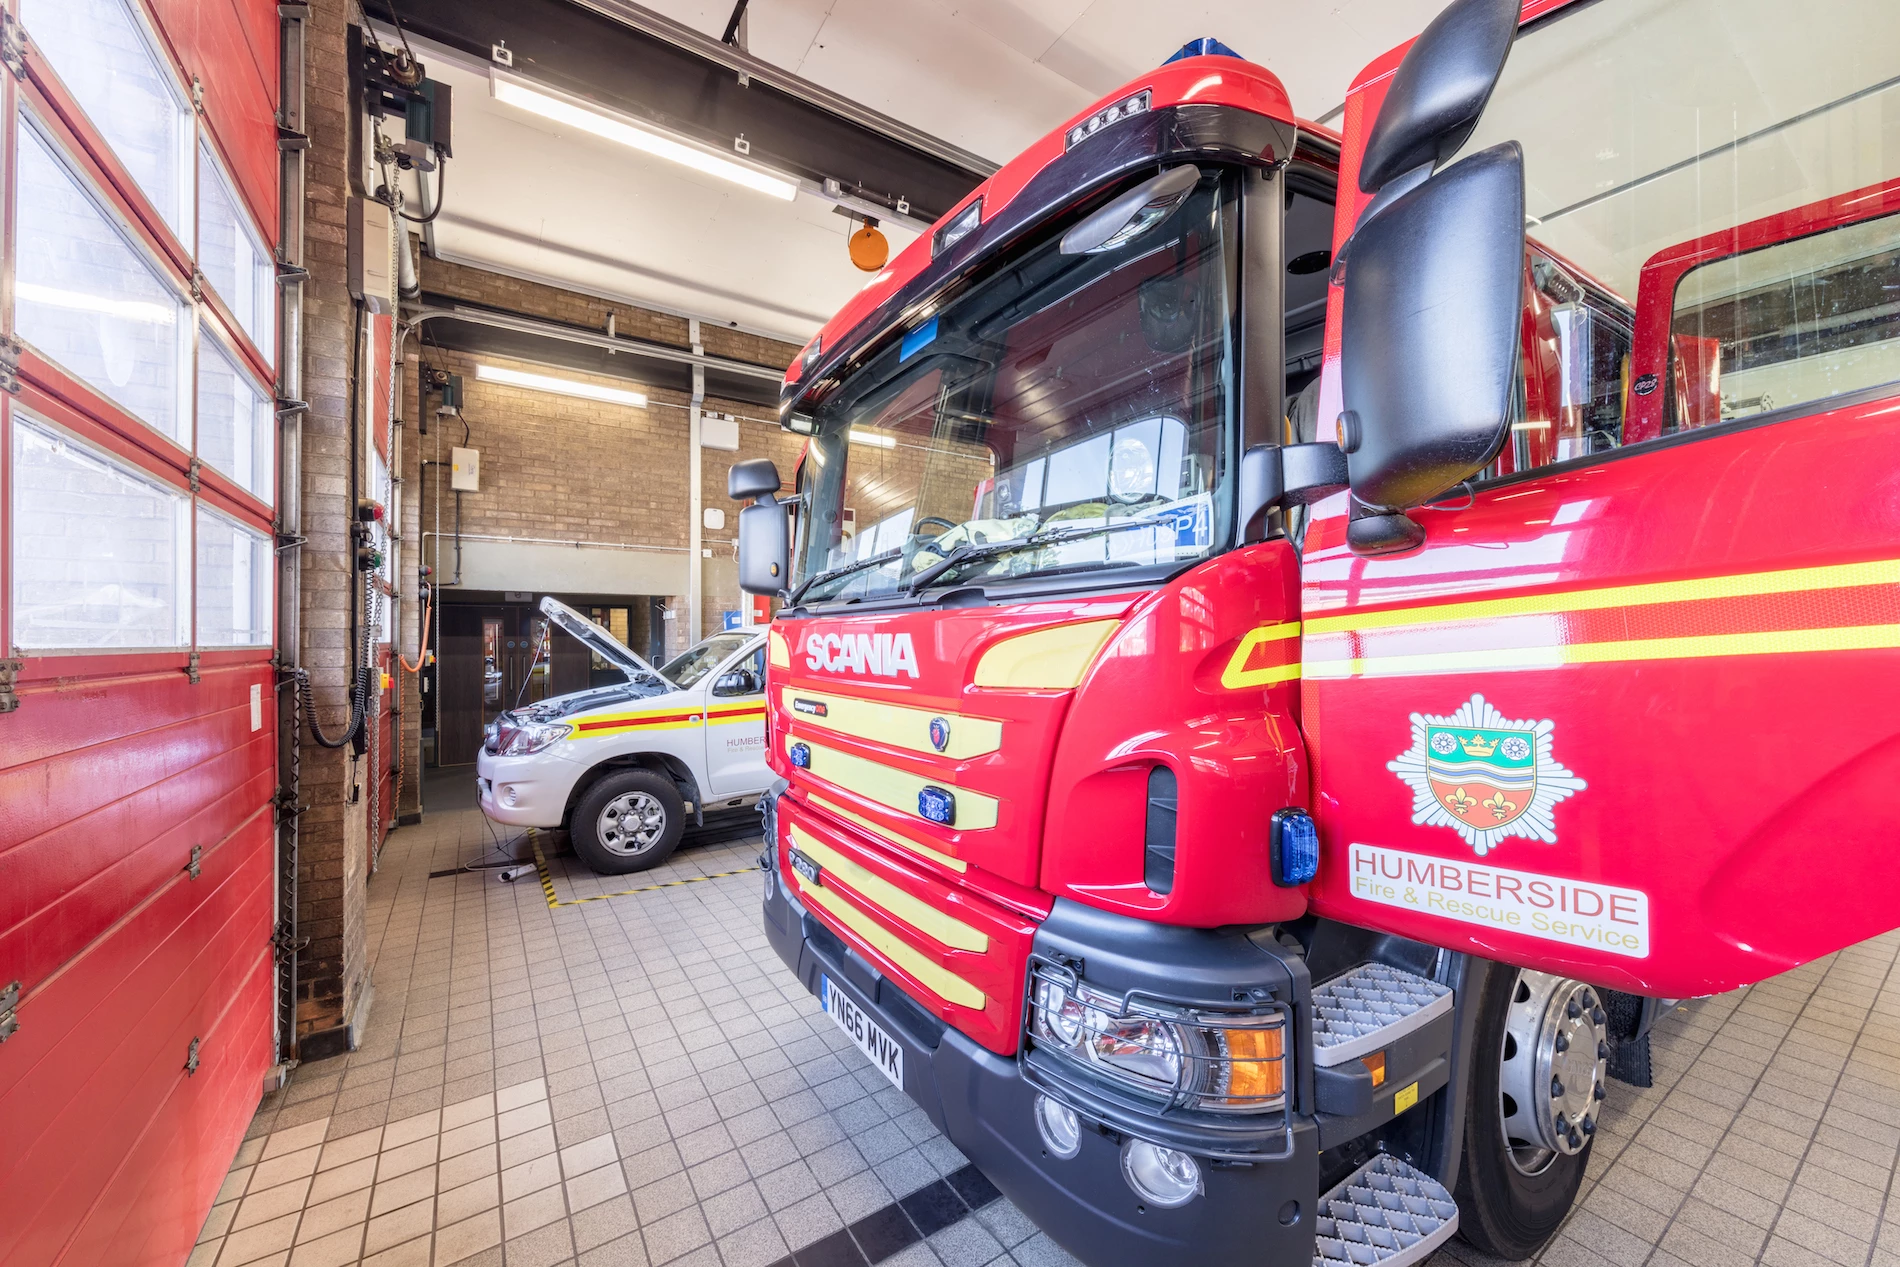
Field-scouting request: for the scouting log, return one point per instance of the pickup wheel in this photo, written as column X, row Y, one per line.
column 1536, row 1095
column 628, row 821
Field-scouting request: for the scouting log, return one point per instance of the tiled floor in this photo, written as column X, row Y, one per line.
column 636, row 1081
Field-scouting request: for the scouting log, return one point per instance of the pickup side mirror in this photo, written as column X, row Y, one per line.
column 764, row 527
column 1433, row 283
column 737, row 682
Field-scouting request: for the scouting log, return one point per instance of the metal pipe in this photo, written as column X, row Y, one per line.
column 577, row 543
column 595, row 338
column 695, row 496
column 290, row 233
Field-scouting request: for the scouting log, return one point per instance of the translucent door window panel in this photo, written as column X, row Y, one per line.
column 232, row 257
column 104, row 56
column 234, row 420
column 101, row 553
column 234, row 583
column 87, row 299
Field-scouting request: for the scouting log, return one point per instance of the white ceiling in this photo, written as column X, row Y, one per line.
column 994, row 75
column 531, row 198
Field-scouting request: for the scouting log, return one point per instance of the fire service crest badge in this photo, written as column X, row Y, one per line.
column 1484, row 776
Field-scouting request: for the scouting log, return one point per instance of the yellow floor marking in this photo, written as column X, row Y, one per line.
column 554, row 900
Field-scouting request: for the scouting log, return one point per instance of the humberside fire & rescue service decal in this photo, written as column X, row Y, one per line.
column 1575, row 912
column 1484, row 776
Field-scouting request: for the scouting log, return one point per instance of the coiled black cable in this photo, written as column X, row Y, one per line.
column 360, row 684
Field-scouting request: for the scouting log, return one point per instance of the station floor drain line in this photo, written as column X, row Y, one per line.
column 555, row 901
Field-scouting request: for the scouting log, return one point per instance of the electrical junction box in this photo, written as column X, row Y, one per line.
column 719, row 431
column 465, row 475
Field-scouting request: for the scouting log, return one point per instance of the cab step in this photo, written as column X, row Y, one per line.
column 1370, row 1007
column 1386, row 1212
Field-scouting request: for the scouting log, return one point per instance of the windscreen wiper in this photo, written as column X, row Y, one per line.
column 971, row 551
column 845, row 570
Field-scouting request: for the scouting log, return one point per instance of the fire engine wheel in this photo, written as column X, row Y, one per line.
column 628, row 821
column 1533, row 1110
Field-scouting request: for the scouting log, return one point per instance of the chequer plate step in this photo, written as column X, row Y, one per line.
column 1370, row 1007
column 1386, row 1213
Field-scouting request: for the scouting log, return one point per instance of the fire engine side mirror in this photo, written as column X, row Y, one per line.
column 1429, row 344
column 764, row 527
column 1439, row 90
column 757, row 477
column 1433, row 282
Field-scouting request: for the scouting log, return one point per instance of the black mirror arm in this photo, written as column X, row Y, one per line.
column 1285, row 475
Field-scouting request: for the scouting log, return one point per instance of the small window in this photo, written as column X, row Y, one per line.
column 234, row 421
column 87, row 299
column 101, row 554
column 234, row 583
column 1791, row 323
column 232, row 256
column 101, row 52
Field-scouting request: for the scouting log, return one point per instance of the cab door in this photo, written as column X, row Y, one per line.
column 1632, row 712
column 735, row 725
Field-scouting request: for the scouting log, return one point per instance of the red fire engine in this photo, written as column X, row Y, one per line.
column 1292, row 643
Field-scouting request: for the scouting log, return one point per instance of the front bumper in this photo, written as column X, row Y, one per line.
column 1250, row 1213
column 528, row 791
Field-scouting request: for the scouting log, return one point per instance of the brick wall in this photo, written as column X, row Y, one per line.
column 333, row 854
column 572, row 469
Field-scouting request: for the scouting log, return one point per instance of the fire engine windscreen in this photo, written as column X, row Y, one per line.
column 1069, row 413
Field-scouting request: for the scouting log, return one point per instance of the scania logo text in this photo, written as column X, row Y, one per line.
column 886, row 655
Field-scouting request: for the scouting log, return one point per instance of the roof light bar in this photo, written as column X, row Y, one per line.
column 1127, row 107
column 560, row 386
column 639, row 136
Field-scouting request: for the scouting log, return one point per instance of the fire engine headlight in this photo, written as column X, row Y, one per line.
column 1160, row 1176
column 532, row 737
column 1195, row 1060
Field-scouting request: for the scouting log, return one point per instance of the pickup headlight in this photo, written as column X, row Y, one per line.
column 1196, row 1060
column 529, row 737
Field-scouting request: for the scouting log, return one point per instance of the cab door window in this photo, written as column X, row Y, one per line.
column 1711, row 202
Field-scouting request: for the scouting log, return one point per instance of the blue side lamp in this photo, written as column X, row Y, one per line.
column 937, row 805
column 800, row 754
column 1293, row 839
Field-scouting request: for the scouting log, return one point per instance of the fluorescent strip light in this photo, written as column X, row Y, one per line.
column 560, row 386
column 131, row 309
column 872, row 438
column 660, row 145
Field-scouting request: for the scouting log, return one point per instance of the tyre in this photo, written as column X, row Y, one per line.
column 1536, row 1092
column 628, row 821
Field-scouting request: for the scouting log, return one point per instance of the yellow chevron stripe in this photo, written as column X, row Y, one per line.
column 896, row 724
column 890, row 837
column 1775, row 642
column 893, row 788
column 942, row 982
column 944, row 929
column 1048, row 659
column 1738, row 585
column 1235, row 676
column 726, row 719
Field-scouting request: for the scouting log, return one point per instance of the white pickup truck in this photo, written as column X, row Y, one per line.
column 623, row 766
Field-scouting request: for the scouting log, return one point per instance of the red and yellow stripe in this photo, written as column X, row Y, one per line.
column 1840, row 607
column 718, row 715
